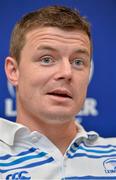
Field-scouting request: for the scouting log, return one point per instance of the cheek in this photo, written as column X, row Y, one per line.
column 85, row 79
column 25, row 83
column 84, row 86
column 81, row 86
column 33, row 85
column 80, row 93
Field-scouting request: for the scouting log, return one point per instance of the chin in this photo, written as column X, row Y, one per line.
column 54, row 118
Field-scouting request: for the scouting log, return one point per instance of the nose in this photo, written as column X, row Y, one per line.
column 64, row 70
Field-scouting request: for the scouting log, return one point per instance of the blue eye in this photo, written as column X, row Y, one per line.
column 77, row 63
column 46, row 60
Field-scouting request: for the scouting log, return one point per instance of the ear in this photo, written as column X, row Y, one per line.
column 11, row 69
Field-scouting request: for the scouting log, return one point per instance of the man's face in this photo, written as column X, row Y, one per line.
column 53, row 74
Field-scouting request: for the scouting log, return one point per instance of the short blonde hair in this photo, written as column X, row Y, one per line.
column 52, row 16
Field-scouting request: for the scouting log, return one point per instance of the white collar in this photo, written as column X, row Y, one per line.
column 11, row 128
column 82, row 133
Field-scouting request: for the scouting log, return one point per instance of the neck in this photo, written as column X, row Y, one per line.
column 61, row 134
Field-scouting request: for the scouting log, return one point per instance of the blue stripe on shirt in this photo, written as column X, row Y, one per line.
column 89, row 177
column 49, row 160
column 7, row 156
column 23, row 159
column 97, row 146
column 89, row 156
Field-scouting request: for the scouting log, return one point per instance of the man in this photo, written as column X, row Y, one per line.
column 49, row 64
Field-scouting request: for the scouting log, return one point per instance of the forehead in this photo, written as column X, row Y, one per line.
column 54, row 36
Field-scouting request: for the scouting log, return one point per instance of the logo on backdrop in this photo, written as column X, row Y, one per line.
column 89, row 108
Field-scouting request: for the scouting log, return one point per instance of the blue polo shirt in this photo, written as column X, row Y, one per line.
column 31, row 155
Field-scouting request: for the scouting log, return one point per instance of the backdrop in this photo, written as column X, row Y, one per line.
column 99, row 111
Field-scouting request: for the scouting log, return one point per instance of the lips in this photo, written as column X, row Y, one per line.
column 61, row 93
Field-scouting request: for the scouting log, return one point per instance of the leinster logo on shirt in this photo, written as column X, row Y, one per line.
column 110, row 165
column 19, row 175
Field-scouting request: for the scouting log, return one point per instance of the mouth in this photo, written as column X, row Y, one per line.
column 63, row 93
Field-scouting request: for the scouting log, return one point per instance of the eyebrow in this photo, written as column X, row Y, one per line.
column 82, row 51
column 46, row 47
column 79, row 50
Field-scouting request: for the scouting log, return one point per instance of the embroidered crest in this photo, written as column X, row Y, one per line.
column 110, row 165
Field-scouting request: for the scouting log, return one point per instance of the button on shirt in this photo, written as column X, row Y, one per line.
column 31, row 155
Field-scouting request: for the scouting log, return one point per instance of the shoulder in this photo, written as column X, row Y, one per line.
column 106, row 141
column 101, row 142
column 93, row 139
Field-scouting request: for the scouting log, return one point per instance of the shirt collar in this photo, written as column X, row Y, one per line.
column 83, row 134
column 8, row 130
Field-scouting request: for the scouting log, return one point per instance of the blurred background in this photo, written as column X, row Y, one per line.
column 99, row 111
